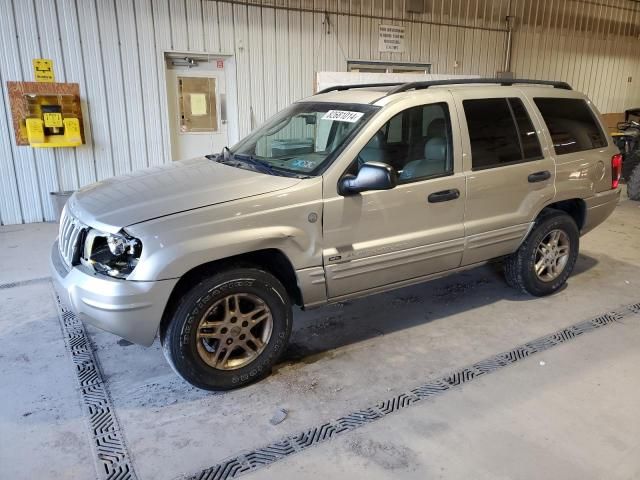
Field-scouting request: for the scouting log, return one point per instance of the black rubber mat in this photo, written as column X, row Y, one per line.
column 22, row 283
column 248, row 461
column 111, row 455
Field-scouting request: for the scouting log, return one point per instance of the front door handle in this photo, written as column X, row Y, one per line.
column 539, row 176
column 444, row 196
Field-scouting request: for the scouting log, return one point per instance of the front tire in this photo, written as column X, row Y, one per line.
column 546, row 258
column 229, row 329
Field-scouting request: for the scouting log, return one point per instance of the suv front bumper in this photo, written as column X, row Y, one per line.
column 129, row 309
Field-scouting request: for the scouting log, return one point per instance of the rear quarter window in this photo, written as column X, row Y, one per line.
column 571, row 124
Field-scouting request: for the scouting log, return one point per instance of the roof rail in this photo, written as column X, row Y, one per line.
column 403, row 87
column 505, row 82
column 337, row 88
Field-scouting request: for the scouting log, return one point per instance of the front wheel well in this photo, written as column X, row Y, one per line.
column 271, row 260
column 576, row 208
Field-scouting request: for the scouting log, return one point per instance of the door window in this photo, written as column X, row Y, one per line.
column 197, row 104
column 416, row 142
column 571, row 124
column 528, row 138
column 492, row 133
column 395, row 130
column 500, row 132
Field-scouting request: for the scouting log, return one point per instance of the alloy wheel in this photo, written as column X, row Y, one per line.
column 552, row 255
column 234, row 331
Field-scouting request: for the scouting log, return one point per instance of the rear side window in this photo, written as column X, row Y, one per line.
column 528, row 137
column 571, row 124
column 500, row 132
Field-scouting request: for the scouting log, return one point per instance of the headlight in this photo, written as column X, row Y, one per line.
column 111, row 254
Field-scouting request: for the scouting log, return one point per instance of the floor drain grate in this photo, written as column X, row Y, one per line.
column 253, row 460
column 112, row 458
column 22, row 283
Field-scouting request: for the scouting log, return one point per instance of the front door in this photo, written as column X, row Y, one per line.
column 380, row 238
column 196, row 106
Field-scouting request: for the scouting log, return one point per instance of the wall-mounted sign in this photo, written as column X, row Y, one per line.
column 391, row 38
column 43, row 70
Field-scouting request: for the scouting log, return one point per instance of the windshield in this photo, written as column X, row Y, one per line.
column 304, row 138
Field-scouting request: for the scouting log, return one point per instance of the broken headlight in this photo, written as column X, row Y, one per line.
column 112, row 254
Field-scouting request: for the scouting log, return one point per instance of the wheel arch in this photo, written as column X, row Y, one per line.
column 271, row 260
column 576, row 208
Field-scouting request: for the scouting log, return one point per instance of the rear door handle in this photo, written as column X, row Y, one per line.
column 444, row 196
column 539, row 176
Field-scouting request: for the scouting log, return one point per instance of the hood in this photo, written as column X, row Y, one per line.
column 155, row 192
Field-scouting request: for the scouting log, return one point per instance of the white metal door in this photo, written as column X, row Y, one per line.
column 197, row 108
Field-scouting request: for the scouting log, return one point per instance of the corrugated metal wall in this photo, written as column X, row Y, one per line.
column 114, row 49
column 593, row 45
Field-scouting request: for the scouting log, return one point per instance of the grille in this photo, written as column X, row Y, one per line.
column 69, row 237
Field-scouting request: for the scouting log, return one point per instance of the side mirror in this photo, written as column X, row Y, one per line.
column 371, row 176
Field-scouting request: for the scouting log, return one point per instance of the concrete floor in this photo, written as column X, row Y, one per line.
column 570, row 412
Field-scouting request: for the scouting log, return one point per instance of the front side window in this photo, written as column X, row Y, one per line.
column 500, row 132
column 304, row 138
column 571, row 124
column 416, row 142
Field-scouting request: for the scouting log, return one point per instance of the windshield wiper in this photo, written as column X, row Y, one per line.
column 239, row 158
column 260, row 165
column 228, row 157
column 222, row 156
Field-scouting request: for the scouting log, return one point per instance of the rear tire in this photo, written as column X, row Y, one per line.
column 229, row 329
column 547, row 256
column 633, row 184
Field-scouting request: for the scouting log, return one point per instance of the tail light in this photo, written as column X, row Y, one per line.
column 616, row 170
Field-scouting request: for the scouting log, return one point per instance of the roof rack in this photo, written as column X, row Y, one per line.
column 403, row 87
column 470, row 81
column 338, row 88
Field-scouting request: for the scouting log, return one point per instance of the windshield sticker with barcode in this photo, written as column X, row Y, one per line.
column 342, row 116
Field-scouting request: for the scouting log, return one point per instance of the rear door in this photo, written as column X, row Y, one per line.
column 510, row 176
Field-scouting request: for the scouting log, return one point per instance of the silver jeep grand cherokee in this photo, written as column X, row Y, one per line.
column 353, row 191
